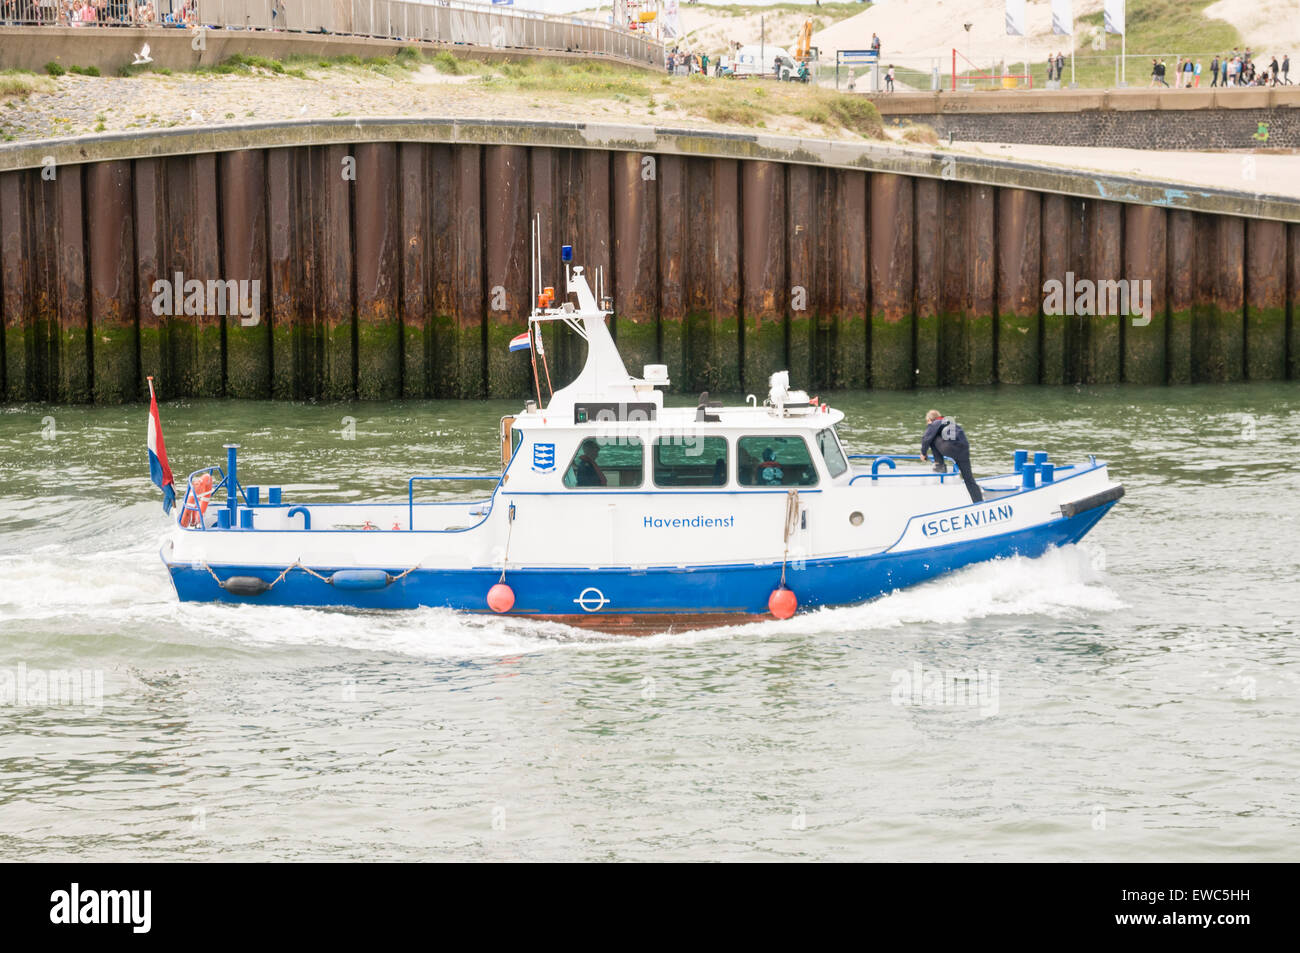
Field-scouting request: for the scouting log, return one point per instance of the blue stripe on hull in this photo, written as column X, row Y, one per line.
column 741, row 589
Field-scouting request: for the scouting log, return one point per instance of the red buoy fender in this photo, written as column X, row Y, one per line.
column 500, row 598
column 782, row 603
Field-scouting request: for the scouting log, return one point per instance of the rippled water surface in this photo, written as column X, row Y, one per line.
column 1147, row 682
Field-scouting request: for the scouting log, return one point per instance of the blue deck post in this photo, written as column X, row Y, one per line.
column 232, row 483
column 1019, row 458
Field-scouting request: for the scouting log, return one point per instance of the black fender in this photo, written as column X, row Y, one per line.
column 1075, row 507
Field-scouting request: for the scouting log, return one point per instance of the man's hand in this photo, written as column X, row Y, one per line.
column 923, row 458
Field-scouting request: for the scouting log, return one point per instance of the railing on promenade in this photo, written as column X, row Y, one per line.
column 439, row 21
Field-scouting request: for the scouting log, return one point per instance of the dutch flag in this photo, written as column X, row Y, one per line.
column 520, row 342
column 159, row 470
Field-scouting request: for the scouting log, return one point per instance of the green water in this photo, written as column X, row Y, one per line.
column 1147, row 683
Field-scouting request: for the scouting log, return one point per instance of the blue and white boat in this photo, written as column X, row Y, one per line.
column 616, row 512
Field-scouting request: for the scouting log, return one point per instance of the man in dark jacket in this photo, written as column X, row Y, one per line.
column 947, row 439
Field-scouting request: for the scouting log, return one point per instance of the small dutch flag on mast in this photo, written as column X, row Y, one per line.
column 520, row 342
column 159, row 470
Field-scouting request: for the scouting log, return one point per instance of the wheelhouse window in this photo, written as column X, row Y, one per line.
column 690, row 461
column 774, row 461
column 829, row 445
column 610, row 463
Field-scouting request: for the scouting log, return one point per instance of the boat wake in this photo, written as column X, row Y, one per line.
column 1063, row 584
column 125, row 594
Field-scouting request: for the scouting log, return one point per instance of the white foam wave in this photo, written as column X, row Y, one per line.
column 128, row 590
column 1062, row 584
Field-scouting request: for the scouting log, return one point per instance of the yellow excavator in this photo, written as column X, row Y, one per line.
column 803, row 50
column 803, row 46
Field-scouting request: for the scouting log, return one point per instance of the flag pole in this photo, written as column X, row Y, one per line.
column 532, row 354
column 545, row 366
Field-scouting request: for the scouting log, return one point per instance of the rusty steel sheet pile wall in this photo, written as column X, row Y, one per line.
column 401, row 269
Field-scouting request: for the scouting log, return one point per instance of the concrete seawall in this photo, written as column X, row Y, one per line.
column 392, row 260
column 1201, row 119
column 110, row 49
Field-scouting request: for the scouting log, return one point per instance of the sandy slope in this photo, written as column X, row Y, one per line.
column 709, row 31
column 1272, row 25
column 914, row 31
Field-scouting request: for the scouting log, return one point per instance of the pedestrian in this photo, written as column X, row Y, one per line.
column 875, row 45
column 946, row 437
column 1060, row 66
column 1286, row 68
column 1214, row 71
column 1178, row 73
column 1272, row 68
column 1188, row 72
column 1197, row 74
column 889, row 79
column 1051, row 67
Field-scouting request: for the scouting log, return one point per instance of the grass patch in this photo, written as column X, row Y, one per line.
column 743, row 113
column 139, row 69
column 247, row 64
column 444, row 62
column 920, row 135
column 855, row 113
column 84, row 70
column 54, row 69
column 587, row 78
column 832, row 11
column 19, row 84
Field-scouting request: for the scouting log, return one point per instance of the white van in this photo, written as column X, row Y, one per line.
column 755, row 60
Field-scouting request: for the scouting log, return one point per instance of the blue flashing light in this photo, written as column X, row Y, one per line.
column 566, row 253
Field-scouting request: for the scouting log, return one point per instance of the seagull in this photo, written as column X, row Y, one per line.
column 143, row 56
column 303, row 109
column 194, row 116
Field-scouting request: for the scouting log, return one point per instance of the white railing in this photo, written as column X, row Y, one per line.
column 439, row 21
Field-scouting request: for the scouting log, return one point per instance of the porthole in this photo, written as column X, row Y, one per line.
column 855, row 518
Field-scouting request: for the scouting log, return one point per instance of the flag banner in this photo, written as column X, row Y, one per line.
column 160, row 470
column 1062, row 17
column 1115, row 16
column 520, row 342
column 1015, row 17
column 671, row 20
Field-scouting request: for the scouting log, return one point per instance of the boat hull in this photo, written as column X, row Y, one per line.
column 650, row 599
